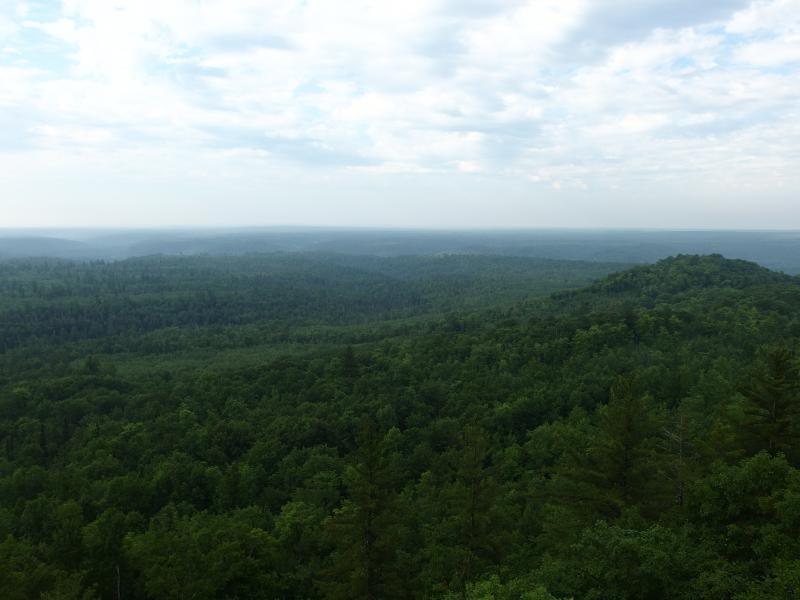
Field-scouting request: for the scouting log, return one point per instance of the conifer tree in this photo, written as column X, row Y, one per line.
column 773, row 404
column 361, row 529
column 617, row 467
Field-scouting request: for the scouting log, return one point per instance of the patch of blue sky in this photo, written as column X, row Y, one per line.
column 40, row 10
column 309, row 86
column 556, row 112
column 43, row 52
column 683, row 62
column 790, row 68
column 9, row 56
column 312, row 113
column 15, row 130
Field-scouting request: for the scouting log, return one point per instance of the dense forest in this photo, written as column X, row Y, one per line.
column 326, row 426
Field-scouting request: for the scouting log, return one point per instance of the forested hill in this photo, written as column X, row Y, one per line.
column 137, row 304
column 681, row 273
column 638, row 438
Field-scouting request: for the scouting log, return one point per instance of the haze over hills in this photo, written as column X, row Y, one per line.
column 779, row 250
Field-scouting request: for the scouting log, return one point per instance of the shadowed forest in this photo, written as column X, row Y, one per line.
column 319, row 425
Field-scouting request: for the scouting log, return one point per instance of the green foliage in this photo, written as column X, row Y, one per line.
column 615, row 561
column 24, row 575
column 361, row 530
column 494, row 589
column 204, row 556
column 619, row 466
column 315, row 426
column 772, row 412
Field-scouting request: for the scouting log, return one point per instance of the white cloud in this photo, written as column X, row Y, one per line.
column 772, row 31
column 18, row 85
column 771, row 53
column 765, row 16
column 84, row 136
column 7, row 26
column 422, row 88
column 525, row 35
column 630, row 124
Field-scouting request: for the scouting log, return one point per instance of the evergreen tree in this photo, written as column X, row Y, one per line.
column 361, row 529
column 773, row 404
column 617, row 468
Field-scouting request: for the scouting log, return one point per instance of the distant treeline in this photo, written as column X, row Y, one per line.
column 778, row 250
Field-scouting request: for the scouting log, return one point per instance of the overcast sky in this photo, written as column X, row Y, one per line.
column 433, row 113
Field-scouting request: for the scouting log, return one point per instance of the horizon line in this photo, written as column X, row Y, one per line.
column 363, row 228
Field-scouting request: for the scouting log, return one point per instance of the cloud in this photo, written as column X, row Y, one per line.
column 765, row 16
column 771, row 31
column 771, row 53
column 621, row 21
column 581, row 96
column 7, row 27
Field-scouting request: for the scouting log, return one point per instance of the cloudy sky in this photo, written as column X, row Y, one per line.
column 432, row 113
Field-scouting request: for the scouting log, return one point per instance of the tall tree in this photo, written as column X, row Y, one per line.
column 773, row 404
column 361, row 529
column 473, row 494
column 618, row 466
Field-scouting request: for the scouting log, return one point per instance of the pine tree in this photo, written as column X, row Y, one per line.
column 361, row 530
column 617, row 468
column 473, row 496
column 679, row 455
column 773, row 404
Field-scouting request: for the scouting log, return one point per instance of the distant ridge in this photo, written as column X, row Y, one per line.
column 775, row 250
column 683, row 272
column 24, row 247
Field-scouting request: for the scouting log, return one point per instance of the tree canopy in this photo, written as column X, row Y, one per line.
column 295, row 426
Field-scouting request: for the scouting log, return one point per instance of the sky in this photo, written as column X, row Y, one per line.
column 419, row 113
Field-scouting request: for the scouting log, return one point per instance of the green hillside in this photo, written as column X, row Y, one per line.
column 320, row 427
